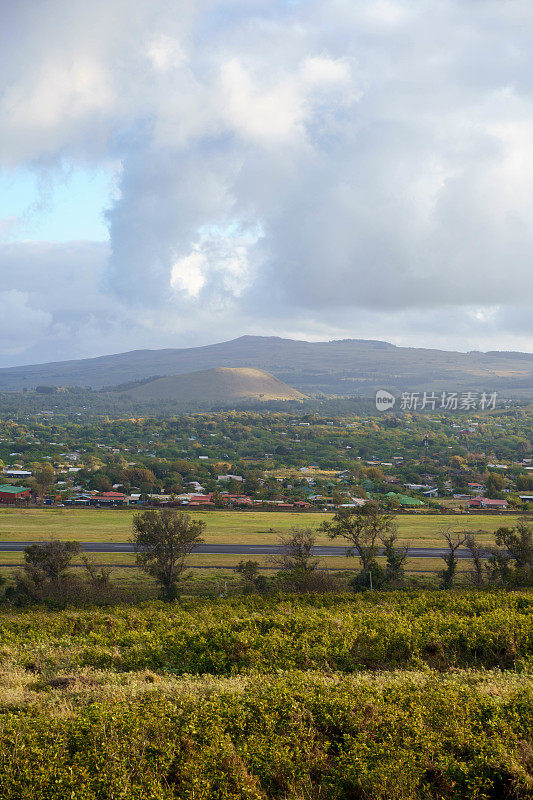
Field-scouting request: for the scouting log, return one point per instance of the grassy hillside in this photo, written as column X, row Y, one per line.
column 220, row 385
column 399, row 696
column 338, row 367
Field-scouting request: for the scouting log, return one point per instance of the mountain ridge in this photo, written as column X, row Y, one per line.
column 339, row 366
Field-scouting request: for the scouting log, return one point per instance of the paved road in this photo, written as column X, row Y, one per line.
column 235, row 549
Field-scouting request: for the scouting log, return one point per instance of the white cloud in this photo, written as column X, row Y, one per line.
column 166, row 53
column 8, row 226
column 187, row 273
column 63, row 92
column 272, row 115
column 285, row 167
column 21, row 326
column 323, row 72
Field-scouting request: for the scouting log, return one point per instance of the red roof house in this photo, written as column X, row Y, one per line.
column 487, row 502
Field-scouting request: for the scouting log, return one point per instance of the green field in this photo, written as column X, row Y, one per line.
column 229, row 527
column 228, row 562
column 232, row 527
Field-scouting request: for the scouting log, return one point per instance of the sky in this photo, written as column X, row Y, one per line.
column 180, row 172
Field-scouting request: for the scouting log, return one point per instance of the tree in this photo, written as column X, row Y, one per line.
column 454, row 540
column 296, row 551
column 45, row 578
column 362, row 528
column 477, row 552
column 392, row 504
column 337, row 498
column 138, row 476
column 396, row 558
column 217, row 499
column 250, row 572
column 375, row 474
column 46, row 389
column 44, row 477
column 299, row 569
column 494, row 485
column 513, row 564
column 524, row 483
column 162, row 541
column 99, row 577
column 100, row 482
column 49, row 561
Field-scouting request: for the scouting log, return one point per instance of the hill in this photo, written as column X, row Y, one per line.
column 346, row 367
column 219, row 385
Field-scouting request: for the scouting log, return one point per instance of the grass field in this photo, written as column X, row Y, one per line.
column 222, row 527
column 9, row 561
column 235, row 527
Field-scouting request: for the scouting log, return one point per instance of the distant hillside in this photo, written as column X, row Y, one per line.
column 219, row 385
column 347, row 367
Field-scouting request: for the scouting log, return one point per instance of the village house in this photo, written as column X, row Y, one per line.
column 17, row 473
column 109, row 499
column 487, row 503
column 10, row 494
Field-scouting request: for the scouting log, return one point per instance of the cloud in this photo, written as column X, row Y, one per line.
column 347, row 168
column 7, row 226
column 21, row 326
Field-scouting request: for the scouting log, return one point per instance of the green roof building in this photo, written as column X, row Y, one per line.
column 404, row 499
column 9, row 494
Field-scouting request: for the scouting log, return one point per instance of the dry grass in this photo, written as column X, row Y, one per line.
column 62, row 691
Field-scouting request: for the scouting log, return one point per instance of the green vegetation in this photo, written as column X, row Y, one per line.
column 291, row 737
column 278, row 455
column 241, row 689
column 391, row 696
column 241, row 527
column 163, row 540
column 326, row 632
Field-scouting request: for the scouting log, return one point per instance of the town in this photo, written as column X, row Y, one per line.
column 275, row 461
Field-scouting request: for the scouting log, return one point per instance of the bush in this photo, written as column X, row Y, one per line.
column 373, row 630
column 292, row 736
column 271, row 697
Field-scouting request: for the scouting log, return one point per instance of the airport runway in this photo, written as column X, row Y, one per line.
column 325, row 551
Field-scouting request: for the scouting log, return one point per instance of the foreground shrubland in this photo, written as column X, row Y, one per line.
column 291, row 736
column 396, row 695
column 343, row 633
